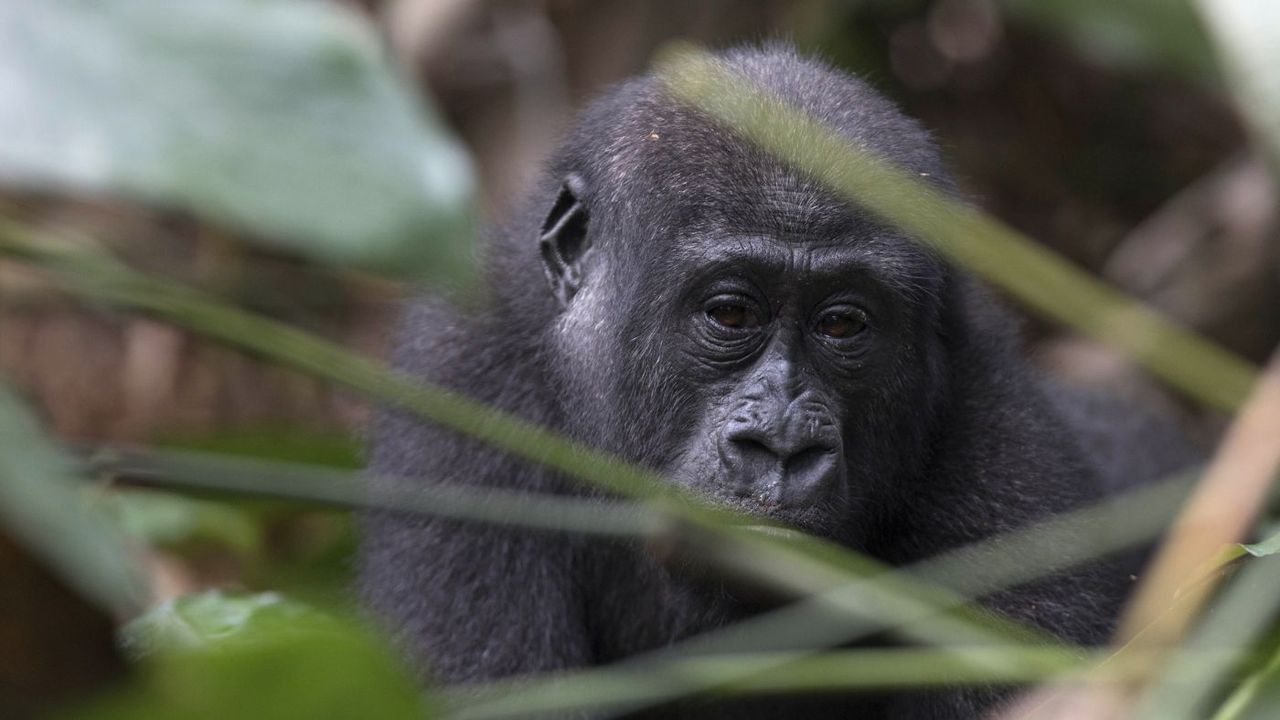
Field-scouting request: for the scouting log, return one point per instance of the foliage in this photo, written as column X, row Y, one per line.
column 282, row 119
column 42, row 505
column 169, row 520
column 216, row 656
column 278, row 117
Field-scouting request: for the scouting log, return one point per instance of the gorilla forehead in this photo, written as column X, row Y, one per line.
column 649, row 136
column 732, row 205
column 665, row 174
column 888, row 261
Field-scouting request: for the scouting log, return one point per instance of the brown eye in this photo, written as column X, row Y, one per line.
column 840, row 325
column 733, row 316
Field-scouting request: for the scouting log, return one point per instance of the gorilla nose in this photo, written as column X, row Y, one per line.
column 781, row 469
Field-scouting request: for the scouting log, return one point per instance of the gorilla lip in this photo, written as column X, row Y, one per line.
column 807, row 517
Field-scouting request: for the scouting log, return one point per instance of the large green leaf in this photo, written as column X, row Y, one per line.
column 43, row 506
column 218, row 656
column 278, row 117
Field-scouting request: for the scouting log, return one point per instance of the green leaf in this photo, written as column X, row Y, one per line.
column 292, row 444
column 279, row 117
column 1227, row 556
column 1257, row 697
column 43, row 506
column 1263, row 548
column 172, row 520
column 219, row 656
column 203, row 620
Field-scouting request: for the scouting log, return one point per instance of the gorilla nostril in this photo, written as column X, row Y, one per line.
column 751, row 447
column 800, row 461
column 811, row 473
column 792, row 471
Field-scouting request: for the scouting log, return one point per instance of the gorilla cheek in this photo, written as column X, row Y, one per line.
column 697, row 466
column 586, row 368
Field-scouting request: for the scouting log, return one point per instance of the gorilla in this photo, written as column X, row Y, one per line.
column 680, row 297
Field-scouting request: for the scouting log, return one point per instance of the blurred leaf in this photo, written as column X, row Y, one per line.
column 1263, row 548
column 288, row 444
column 1135, row 33
column 1239, row 616
column 170, row 520
column 1248, row 37
column 218, row 656
column 201, row 471
column 280, row 117
column 310, row 559
column 43, row 506
column 621, row 688
column 1226, row 556
column 1258, row 697
column 202, row 620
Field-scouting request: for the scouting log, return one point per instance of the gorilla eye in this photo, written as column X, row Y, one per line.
column 734, row 316
column 841, row 325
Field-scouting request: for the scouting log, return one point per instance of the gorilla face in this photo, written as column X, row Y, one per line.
column 714, row 315
column 788, row 353
column 762, row 342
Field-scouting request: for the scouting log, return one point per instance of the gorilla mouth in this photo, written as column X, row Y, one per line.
column 801, row 471
column 777, row 519
column 770, row 502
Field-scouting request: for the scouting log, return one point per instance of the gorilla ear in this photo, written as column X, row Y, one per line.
column 563, row 239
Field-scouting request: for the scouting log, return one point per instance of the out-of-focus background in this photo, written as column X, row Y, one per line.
column 1102, row 129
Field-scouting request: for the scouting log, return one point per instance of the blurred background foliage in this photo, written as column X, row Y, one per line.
column 284, row 155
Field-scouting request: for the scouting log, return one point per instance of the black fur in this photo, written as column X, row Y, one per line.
column 924, row 432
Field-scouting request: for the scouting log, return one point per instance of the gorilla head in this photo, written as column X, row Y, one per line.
column 730, row 321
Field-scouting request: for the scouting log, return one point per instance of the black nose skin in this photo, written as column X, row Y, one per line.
column 790, row 467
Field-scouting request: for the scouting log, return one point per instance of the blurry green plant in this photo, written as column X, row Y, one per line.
column 43, row 504
column 169, row 520
column 215, row 656
column 280, row 118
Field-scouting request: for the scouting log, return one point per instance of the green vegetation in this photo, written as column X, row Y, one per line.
column 317, row 147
